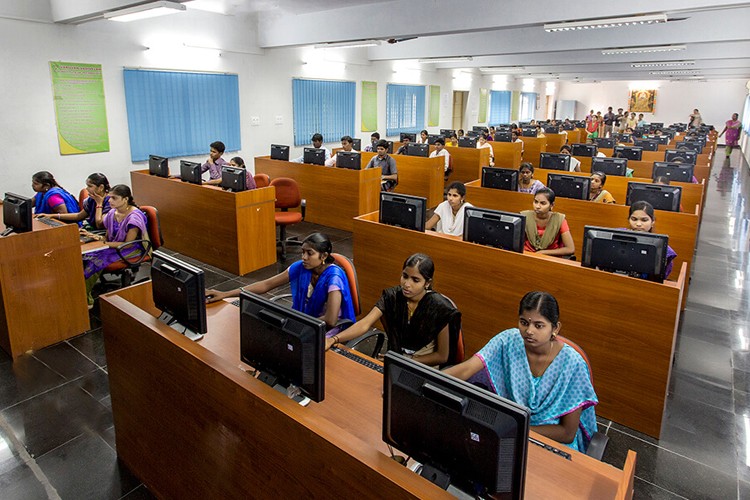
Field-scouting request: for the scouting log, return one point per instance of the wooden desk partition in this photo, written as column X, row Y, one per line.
column 555, row 142
column 507, row 154
column 467, row 163
column 334, row 195
column 191, row 423
column 42, row 292
column 418, row 176
column 533, row 147
column 232, row 231
column 631, row 362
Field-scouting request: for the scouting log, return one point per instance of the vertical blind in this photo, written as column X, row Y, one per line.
column 528, row 106
column 323, row 106
column 180, row 114
column 404, row 108
column 499, row 107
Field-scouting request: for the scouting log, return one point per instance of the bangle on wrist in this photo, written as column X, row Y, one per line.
column 335, row 339
column 99, row 206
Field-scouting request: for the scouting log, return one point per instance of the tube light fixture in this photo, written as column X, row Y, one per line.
column 642, row 50
column 348, row 45
column 433, row 60
column 613, row 22
column 675, row 72
column 502, row 69
column 145, row 11
column 662, row 64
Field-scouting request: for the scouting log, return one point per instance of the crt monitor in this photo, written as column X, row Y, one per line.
column 349, row 159
column 467, row 142
column 554, row 161
column 462, row 435
column 403, row 210
column 414, row 149
column 17, row 213
column 158, row 165
column 233, row 179
column 634, row 253
column 190, row 171
column 279, row 152
column 314, row 156
column 412, row 137
column 690, row 146
column 602, row 142
column 506, row 230
column 630, row 152
column 610, row 166
column 505, row 136
column 286, row 346
column 661, row 197
column 679, row 172
column 569, row 186
column 500, row 178
column 588, row 150
column 681, row 156
column 357, row 144
column 647, row 144
column 529, row 132
column 179, row 292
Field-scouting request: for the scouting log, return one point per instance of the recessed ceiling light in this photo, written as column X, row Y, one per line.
column 642, row 50
column 662, row 64
column 613, row 22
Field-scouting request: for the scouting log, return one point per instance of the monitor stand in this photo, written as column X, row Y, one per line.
column 441, row 479
column 172, row 323
column 7, row 231
column 291, row 391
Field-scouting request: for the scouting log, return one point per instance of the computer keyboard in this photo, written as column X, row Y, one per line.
column 552, row 449
column 50, row 222
column 359, row 359
column 236, row 302
column 86, row 239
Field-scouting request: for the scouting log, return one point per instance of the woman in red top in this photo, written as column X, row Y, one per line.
column 547, row 231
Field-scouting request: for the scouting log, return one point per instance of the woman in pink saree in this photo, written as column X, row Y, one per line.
column 732, row 129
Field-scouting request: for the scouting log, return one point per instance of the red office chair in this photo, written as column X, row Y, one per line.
column 262, row 180
column 128, row 266
column 287, row 196
column 82, row 197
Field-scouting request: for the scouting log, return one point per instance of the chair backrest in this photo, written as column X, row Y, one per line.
column 154, row 228
column 287, row 193
column 457, row 350
column 262, row 180
column 81, row 197
column 580, row 351
column 351, row 276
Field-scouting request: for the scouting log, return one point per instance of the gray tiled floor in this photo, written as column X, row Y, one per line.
column 57, row 438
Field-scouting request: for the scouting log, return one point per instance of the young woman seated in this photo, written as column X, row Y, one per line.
column 449, row 215
column 418, row 321
column 50, row 197
column 530, row 366
column 95, row 207
column 575, row 163
column 238, row 162
column 483, row 144
column 527, row 183
column 597, row 192
column 320, row 288
column 547, row 232
column 642, row 218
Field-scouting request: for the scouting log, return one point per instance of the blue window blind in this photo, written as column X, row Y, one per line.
column 179, row 114
column 499, row 107
column 528, row 106
column 323, row 106
column 404, row 108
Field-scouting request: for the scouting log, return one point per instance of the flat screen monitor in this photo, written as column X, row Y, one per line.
column 480, row 128
column 680, row 127
column 431, row 138
column 655, row 125
column 17, row 213
column 529, row 132
column 690, row 146
column 587, row 150
column 685, row 156
column 233, row 179
column 349, row 159
column 661, row 197
column 606, row 143
column 414, row 149
column 190, row 171
column 630, row 152
column 403, row 210
column 286, row 346
column 633, row 253
column 357, row 144
column 661, row 139
column 551, row 130
column 314, row 156
column 472, row 133
column 679, row 172
column 639, row 132
column 388, row 149
column 158, row 165
column 624, row 138
column 568, row 126
column 179, row 292
column 569, row 186
column 503, row 136
column 554, row 161
column 503, row 126
column 464, row 436
column 467, row 142
column 647, row 144
column 500, row 178
column 447, row 133
column 610, row 166
column 506, row 230
column 403, row 135
column 279, row 152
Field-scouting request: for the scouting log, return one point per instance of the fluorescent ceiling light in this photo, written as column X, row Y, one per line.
column 675, row 72
column 662, row 64
column 348, row 45
column 501, row 69
column 431, row 60
column 613, row 22
column 145, row 11
column 642, row 50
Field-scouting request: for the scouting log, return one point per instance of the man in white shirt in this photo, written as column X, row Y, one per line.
column 441, row 151
column 347, row 143
column 317, row 142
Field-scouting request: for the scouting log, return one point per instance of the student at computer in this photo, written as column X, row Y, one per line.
column 452, row 141
column 514, row 137
column 238, row 162
column 404, row 145
column 448, row 217
column 526, row 181
column 441, row 151
column 460, row 133
column 483, row 144
column 215, row 162
column 374, row 138
column 575, row 163
column 387, row 166
column 422, row 139
column 317, row 142
column 347, row 144
column 597, row 192
column 320, row 288
column 95, row 206
column 50, row 197
column 547, row 231
column 641, row 121
column 418, row 321
column 642, row 218
column 491, row 134
column 530, row 366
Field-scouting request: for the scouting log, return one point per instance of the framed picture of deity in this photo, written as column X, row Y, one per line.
column 642, row 101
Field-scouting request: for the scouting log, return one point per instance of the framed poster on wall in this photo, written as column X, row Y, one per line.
column 642, row 101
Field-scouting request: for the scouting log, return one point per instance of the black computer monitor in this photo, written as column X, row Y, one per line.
column 656, row 125
column 610, row 166
column 349, row 159
column 630, row 152
column 279, row 152
column 551, row 130
column 588, row 150
column 679, row 172
column 17, row 213
column 661, row 197
column 190, row 171
column 569, row 186
column 500, row 178
column 624, row 138
column 431, row 138
column 158, row 165
column 639, row 132
column 286, row 346
column 472, row 133
column 503, row 136
column 314, row 156
column 529, row 132
column 680, row 127
column 414, row 149
column 684, row 156
column 568, row 126
column 634, row 253
column 647, row 144
column 503, row 126
column 696, row 146
column 233, row 179
column 357, row 144
column 661, row 139
column 554, row 161
column 388, row 149
column 403, row 210
column 179, row 292
column 506, row 230
column 447, row 133
column 467, row 142
column 464, row 436
column 412, row 137
column 480, row 128
column 602, row 142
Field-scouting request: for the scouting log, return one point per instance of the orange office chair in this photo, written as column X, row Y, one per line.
column 128, row 266
column 82, row 197
column 262, row 180
column 287, row 196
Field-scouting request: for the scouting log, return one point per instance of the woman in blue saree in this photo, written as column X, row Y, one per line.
column 50, row 198
column 530, row 366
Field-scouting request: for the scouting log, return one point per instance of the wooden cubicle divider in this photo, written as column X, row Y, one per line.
column 467, row 163
column 555, row 142
column 507, row 154
column 417, row 176
column 532, row 148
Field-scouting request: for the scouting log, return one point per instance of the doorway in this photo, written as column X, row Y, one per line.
column 460, row 101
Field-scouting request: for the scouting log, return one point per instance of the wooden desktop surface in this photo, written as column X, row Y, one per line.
column 190, row 422
column 602, row 312
column 232, row 231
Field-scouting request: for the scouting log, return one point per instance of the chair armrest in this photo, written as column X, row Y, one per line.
column 130, row 261
column 597, row 445
column 366, row 336
column 279, row 297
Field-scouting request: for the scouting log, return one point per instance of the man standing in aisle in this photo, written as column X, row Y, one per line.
column 609, row 120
